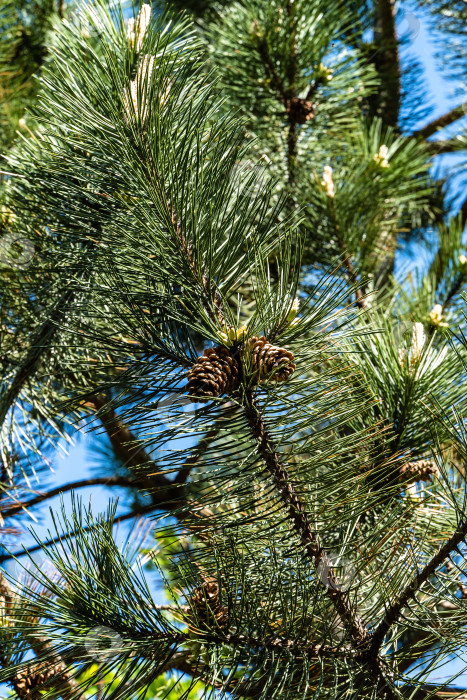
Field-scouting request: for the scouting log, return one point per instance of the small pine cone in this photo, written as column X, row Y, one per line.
column 270, row 361
column 206, row 610
column 213, row 374
column 421, row 470
column 28, row 683
column 300, row 110
column 26, row 687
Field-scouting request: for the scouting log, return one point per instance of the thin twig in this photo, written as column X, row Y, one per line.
column 276, row 80
column 442, row 122
column 40, row 498
column 144, row 510
column 394, row 611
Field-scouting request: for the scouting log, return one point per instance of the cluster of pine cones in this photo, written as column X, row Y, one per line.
column 217, row 371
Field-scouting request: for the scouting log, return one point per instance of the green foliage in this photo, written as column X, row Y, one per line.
column 160, row 689
column 441, row 281
column 25, row 34
column 269, row 54
column 196, row 186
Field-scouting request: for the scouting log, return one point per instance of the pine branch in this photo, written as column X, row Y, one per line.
column 309, row 538
column 442, row 122
column 454, row 290
column 298, row 111
column 291, row 151
column 423, row 640
column 40, row 498
column 300, row 519
column 168, row 496
column 360, row 300
column 210, row 294
column 291, row 94
column 311, row 651
column 135, row 457
column 123, row 441
column 276, row 80
column 387, row 61
column 180, row 660
column 201, row 448
column 436, row 148
column 247, row 688
column 165, row 493
column 463, row 213
column 168, row 212
column 394, row 611
column 42, row 342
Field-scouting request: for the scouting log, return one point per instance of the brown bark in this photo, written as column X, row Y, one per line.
column 301, row 522
column 387, row 62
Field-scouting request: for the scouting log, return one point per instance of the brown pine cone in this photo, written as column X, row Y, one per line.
column 270, row 361
column 421, row 470
column 206, row 610
column 213, row 374
column 300, row 110
column 29, row 682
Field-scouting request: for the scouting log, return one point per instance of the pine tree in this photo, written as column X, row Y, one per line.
column 202, row 235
